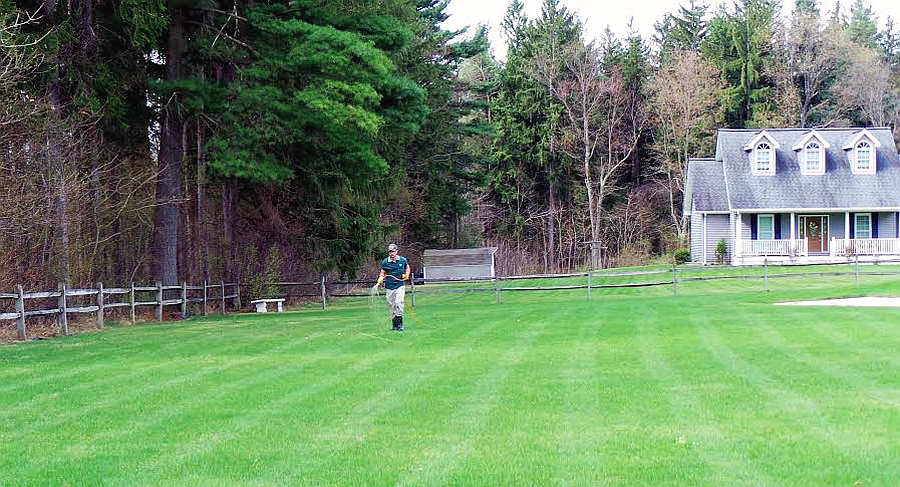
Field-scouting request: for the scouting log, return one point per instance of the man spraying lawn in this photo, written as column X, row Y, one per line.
column 395, row 269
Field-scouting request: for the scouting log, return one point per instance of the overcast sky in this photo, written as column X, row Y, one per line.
column 597, row 14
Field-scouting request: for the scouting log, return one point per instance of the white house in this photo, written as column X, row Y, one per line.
column 796, row 196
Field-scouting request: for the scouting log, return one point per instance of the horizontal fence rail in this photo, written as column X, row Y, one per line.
column 112, row 298
column 135, row 296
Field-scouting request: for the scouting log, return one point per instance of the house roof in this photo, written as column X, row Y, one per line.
column 801, row 144
column 705, row 186
column 838, row 188
column 446, row 257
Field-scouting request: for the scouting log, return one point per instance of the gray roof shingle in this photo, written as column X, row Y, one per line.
column 706, row 185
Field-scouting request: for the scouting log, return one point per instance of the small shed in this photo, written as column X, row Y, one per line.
column 459, row 263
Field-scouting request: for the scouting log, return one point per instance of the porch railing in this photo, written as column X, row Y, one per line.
column 796, row 247
column 865, row 246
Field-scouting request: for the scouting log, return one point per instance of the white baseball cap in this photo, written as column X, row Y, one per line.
column 392, row 247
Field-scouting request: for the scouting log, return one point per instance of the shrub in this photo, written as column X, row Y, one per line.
column 262, row 285
column 682, row 256
column 721, row 251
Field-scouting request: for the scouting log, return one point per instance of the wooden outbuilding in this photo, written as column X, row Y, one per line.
column 475, row 263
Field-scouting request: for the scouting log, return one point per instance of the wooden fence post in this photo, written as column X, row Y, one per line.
column 63, row 318
column 589, row 285
column 323, row 290
column 412, row 283
column 183, row 300
column 766, row 273
column 159, row 300
column 20, row 308
column 497, row 288
column 237, row 295
column 674, row 279
column 856, row 256
column 100, row 305
column 205, row 298
column 133, row 298
column 223, row 297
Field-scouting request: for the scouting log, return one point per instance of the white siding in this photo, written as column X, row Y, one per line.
column 696, row 237
column 887, row 225
column 745, row 225
column 718, row 227
column 835, row 225
column 458, row 272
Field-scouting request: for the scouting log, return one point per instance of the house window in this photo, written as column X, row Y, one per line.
column 862, row 225
column 813, row 157
column 765, row 227
column 863, row 155
column 764, row 157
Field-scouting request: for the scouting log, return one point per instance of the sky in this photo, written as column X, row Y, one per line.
column 597, row 14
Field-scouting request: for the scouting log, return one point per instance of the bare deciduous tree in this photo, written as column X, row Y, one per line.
column 601, row 131
column 866, row 86
column 811, row 59
column 686, row 95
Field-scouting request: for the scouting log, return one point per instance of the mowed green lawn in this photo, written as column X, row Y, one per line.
column 637, row 387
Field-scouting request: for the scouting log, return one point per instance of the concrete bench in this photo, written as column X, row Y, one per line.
column 261, row 304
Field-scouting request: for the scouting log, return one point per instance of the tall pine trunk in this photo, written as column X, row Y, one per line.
column 551, row 214
column 202, row 230
column 168, row 188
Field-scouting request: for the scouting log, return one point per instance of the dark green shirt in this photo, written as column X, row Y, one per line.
column 395, row 269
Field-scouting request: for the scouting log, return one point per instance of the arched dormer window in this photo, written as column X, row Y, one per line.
column 863, row 156
column 812, row 157
column 863, row 151
column 763, row 157
column 762, row 150
column 812, row 152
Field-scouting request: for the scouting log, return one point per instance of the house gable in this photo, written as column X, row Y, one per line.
column 763, row 154
column 862, row 151
column 811, row 152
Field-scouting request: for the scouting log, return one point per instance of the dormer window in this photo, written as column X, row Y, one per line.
column 811, row 151
column 763, row 149
column 863, row 149
column 763, row 156
column 863, row 156
column 812, row 157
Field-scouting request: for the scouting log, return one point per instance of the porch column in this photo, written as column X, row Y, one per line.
column 736, row 251
column 847, row 225
column 704, row 239
column 793, row 232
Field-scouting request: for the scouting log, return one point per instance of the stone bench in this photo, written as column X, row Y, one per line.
column 262, row 303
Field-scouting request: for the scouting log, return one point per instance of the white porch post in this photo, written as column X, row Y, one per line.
column 793, row 232
column 737, row 234
column 847, row 225
column 704, row 239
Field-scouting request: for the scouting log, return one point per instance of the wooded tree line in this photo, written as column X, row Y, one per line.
column 184, row 140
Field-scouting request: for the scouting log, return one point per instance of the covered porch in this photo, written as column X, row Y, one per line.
column 815, row 237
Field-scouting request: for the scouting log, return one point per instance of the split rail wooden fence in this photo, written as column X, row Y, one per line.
column 133, row 297
column 104, row 299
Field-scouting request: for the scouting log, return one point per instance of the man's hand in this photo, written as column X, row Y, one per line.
column 405, row 276
column 380, row 280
